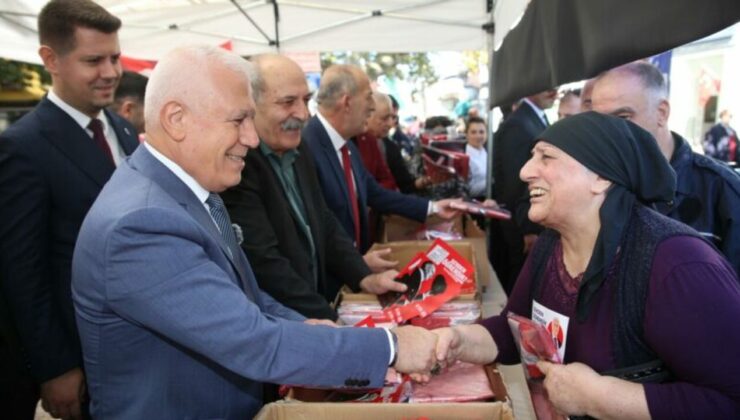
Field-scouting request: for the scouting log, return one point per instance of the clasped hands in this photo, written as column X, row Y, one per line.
column 423, row 352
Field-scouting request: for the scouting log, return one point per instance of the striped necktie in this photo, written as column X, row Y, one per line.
column 221, row 217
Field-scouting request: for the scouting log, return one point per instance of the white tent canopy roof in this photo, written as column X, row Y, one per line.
column 152, row 27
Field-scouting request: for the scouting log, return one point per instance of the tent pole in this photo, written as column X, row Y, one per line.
column 256, row 26
column 490, row 30
column 276, row 18
column 489, row 108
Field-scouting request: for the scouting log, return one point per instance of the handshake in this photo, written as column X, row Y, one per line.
column 423, row 352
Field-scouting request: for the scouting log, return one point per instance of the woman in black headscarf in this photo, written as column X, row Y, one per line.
column 649, row 310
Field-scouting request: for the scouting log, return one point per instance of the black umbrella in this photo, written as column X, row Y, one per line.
column 561, row 41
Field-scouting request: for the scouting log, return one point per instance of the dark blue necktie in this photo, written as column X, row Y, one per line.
column 218, row 212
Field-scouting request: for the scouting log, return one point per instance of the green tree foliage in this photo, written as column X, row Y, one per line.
column 412, row 67
column 14, row 75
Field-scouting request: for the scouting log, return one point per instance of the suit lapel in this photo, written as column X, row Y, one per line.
column 533, row 116
column 127, row 137
column 274, row 182
column 70, row 139
column 303, row 177
column 143, row 161
column 330, row 155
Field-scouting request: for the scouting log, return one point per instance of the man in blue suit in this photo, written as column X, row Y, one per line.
column 345, row 102
column 53, row 164
column 171, row 319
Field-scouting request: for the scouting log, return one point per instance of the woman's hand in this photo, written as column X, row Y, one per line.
column 568, row 386
column 467, row 343
column 576, row 389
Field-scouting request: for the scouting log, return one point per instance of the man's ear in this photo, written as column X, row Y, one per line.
column 345, row 102
column 601, row 185
column 173, row 118
column 127, row 108
column 50, row 58
column 664, row 111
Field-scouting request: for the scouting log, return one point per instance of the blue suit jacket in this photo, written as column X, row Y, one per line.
column 369, row 192
column 51, row 171
column 173, row 327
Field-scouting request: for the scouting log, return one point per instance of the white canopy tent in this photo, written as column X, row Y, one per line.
column 152, row 27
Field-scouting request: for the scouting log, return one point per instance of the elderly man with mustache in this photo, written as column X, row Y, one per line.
column 295, row 244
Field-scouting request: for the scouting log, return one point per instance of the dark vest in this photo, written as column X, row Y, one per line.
column 646, row 229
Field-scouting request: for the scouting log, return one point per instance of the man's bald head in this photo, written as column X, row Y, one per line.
column 637, row 92
column 200, row 114
column 281, row 94
column 381, row 121
column 586, row 93
column 270, row 68
column 345, row 98
column 339, row 80
column 179, row 76
column 570, row 104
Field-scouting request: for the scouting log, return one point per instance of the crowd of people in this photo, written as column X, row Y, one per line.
column 171, row 245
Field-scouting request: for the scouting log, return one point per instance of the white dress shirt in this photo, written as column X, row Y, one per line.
column 338, row 141
column 540, row 112
column 83, row 120
column 200, row 192
column 478, row 169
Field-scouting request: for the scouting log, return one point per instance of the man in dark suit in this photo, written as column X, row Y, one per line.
column 298, row 250
column 173, row 325
column 345, row 102
column 512, row 145
column 379, row 125
column 19, row 392
column 53, row 163
column 129, row 99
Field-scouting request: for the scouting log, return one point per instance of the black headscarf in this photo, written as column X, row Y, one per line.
column 629, row 157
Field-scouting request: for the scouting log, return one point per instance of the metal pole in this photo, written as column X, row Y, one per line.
column 489, row 143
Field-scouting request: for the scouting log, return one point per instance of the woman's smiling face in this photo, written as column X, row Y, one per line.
column 560, row 189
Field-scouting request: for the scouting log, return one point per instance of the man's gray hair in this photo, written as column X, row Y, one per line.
column 338, row 80
column 255, row 76
column 382, row 97
column 174, row 76
column 650, row 76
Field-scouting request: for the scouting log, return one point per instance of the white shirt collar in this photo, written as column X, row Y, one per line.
column 199, row 191
column 540, row 112
column 336, row 139
column 80, row 118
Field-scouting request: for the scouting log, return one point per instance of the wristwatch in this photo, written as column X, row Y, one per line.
column 395, row 348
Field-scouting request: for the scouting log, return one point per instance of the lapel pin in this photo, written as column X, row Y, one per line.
column 238, row 233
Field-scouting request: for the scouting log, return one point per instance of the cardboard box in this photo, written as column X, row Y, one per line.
column 367, row 411
column 403, row 252
column 304, row 404
column 397, row 228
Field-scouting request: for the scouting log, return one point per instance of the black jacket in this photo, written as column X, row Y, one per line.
column 512, row 146
column 275, row 245
column 51, row 172
column 707, row 199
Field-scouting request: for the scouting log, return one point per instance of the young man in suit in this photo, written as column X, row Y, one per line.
column 53, row 163
column 298, row 250
column 129, row 99
column 345, row 102
column 172, row 322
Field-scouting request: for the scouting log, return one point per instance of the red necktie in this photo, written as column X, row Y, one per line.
column 99, row 137
column 347, row 163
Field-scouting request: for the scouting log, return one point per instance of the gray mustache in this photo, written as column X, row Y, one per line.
column 292, row 124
